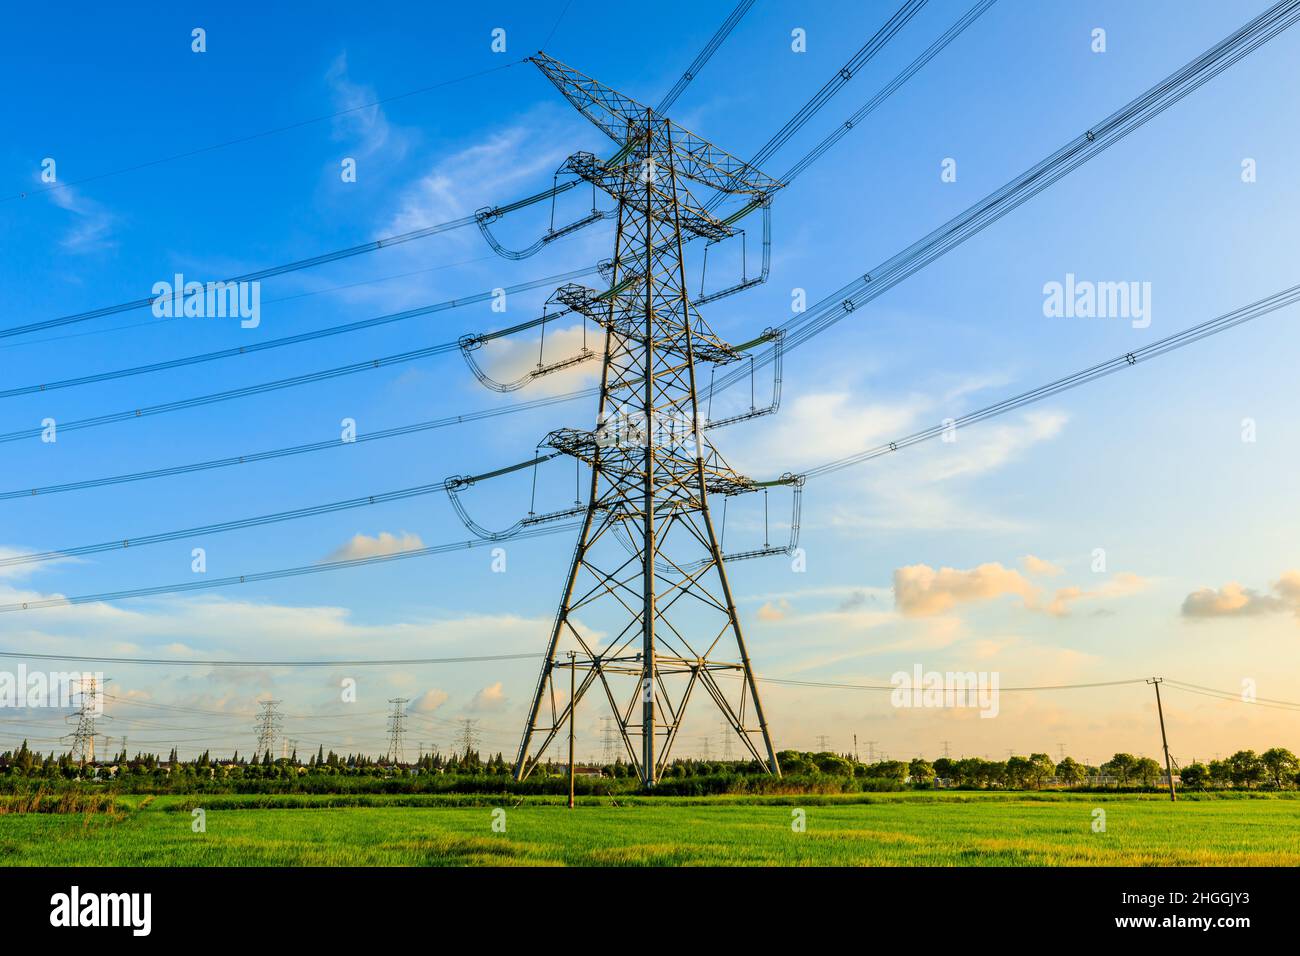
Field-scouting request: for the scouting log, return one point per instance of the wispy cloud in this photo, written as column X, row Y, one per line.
column 366, row 129
column 91, row 221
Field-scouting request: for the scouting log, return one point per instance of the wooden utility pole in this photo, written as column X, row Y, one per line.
column 573, row 708
column 1169, row 770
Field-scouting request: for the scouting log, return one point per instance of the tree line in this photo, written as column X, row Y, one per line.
column 1276, row 768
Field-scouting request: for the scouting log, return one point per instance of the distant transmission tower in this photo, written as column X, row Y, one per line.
column 706, row 748
column 267, row 724
column 823, row 743
column 397, row 730
column 649, row 569
column 609, row 746
column 90, row 706
column 468, row 735
column 727, row 752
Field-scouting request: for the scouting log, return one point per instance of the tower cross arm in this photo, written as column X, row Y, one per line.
column 625, row 121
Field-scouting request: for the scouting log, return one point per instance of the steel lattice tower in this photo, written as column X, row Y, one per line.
column 646, row 604
column 268, row 727
column 397, row 730
column 83, row 738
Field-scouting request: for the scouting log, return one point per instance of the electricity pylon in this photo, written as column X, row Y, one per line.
column 267, row 725
column 82, row 749
column 608, row 752
column 397, row 730
column 648, row 573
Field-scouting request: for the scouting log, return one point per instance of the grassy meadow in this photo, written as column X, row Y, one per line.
column 925, row 829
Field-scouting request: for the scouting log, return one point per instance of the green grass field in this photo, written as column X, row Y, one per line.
column 877, row 830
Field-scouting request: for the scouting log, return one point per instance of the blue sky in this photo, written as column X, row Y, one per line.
column 1149, row 466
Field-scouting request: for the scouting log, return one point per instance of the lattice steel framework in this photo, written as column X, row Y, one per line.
column 91, row 705
column 267, row 724
column 397, row 730
column 646, row 604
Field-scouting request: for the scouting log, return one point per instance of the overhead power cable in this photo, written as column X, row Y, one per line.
column 1236, row 698
column 888, row 90
column 311, row 378
column 255, row 276
column 255, row 136
column 703, row 56
column 837, row 82
column 1258, row 309
column 297, row 339
column 232, row 460
column 828, row 685
column 1196, row 333
column 303, row 570
column 246, row 391
column 217, row 662
column 1265, row 306
column 1234, row 695
column 496, row 658
column 308, row 293
column 311, row 511
column 365, row 247
column 1028, row 184
column 846, row 73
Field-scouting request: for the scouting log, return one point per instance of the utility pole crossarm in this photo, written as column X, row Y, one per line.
column 623, row 120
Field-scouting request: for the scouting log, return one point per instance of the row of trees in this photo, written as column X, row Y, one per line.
column 1276, row 768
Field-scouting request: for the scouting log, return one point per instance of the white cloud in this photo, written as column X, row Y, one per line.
column 428, row 702
column 490, row 699
column 365, row 546
column 1040, row 567
column 916, row 488
column 921, row 591
column 1234, row 600
column 510, row 359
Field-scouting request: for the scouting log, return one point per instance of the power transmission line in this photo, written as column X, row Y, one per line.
column 329, row 373
column 1038, row 178
column 232, row 460
column 96, row 177
column 365, row 247
column 1170, row 343
column 300, row 338
column 188, row 662
column 1073, row 154
column 401, row 494
column 837, row 82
